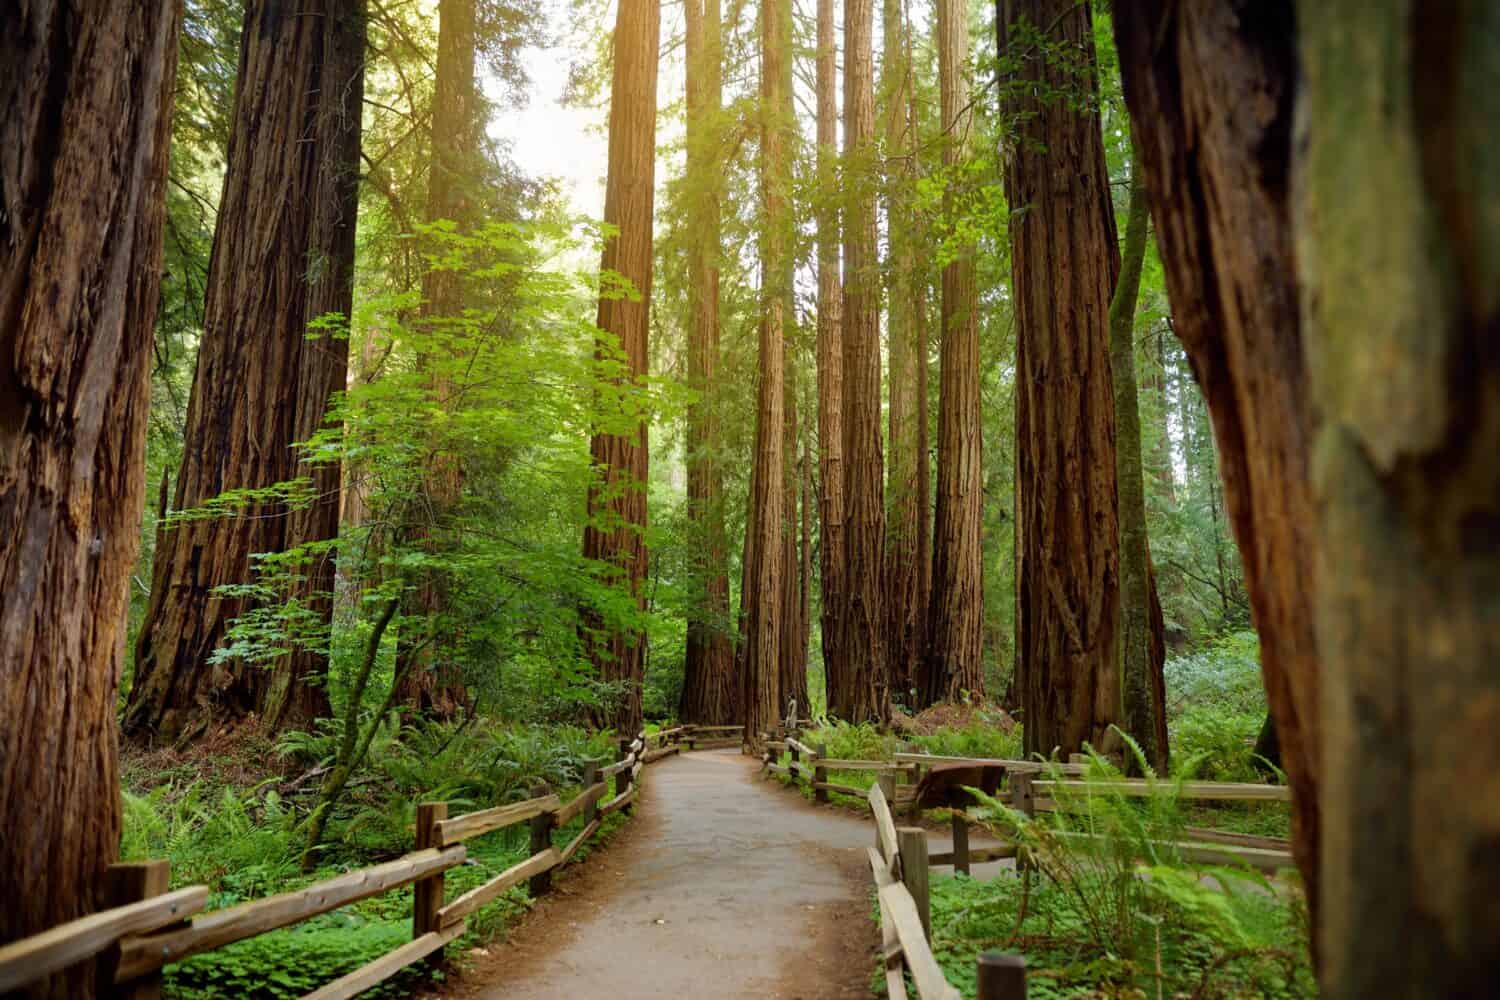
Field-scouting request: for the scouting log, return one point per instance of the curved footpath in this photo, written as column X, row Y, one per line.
column 723, row 885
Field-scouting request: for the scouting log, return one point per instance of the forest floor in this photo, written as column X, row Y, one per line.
column 723, row 885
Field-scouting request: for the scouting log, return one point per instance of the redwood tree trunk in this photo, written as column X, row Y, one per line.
column 1396, row 184
column 764, row 550
column 830, row 364
column 859, row 692
column 793, row 682
column 1223, row 225
column 431, row 678
column 1064, row 263
column 906, row 598
column 622, row 460
column 254, row 361
column 85, row 113
column 955, row 648
column 709, row 692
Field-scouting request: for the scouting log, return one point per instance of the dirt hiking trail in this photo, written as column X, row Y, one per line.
column 721, row 886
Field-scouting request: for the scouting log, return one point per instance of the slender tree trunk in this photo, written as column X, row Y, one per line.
column 793, row 681
column 764, row 549
column 1403, row 340
column 955, row 647
column 709, row 692
column 861, row 692
column 1144, row 717
column 85, row 114
column 906, row 598
column 622, row 460
column 254, row 361
column 1223, row 225
column 431, row 678
column 830, row 363
column 1064, row 261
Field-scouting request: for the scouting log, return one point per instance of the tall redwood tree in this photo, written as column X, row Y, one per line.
column 259, row 377
column 616, row 533
column 85, row 115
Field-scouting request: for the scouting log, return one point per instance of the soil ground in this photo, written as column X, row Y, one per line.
column 723, row 886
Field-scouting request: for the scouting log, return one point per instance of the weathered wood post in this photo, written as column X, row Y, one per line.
column 961, row 840
column 911, row 844
column 1002, row 976
column 590, row 777
column 820, row 774
column 541, row 839
column 622, row 777
column 127, row 883
column 1022, row 799
column 887, row 782
column 427, row 893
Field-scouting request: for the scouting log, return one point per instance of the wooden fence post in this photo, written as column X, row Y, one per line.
column 427, row 893
column 590, row 776
column 622, row 778
column 820, row 773
column 911, row 844
column 1002, row 976
column 887, row 782
column 961, row 841
column 1022, row 799
column 128, row 883
column 541, row 839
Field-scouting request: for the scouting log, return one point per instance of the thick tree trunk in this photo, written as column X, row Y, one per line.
column 1223, row 225
column 622, row 460
column 297, row 695
column 860, row 690
column 431, row 678
column 1396, row 183
column 1064, row 261
column 906, row 523
column 709, row 691
column 955, row 647
column 85, row 113
column 1144, row 715
column 830, row 364
column 254, row 361
column 762, row 596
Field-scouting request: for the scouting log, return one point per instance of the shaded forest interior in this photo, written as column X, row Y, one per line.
column 405, row 397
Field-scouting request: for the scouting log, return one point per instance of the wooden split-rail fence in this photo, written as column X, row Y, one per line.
column 901, row 861
column 149, row 928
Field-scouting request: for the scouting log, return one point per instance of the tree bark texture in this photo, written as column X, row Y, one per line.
column 431, row 679
column 1216, row 75
column 1396, row 219
column 85, row 115
column 254, row 363
column 955, row 647
column 765, row 551
column 1064, row 262
column 830, row 362
column 1144, row 711
column 793, row 682
column 615, row 534
column 906, row 522
column 859, row 690
column 709, row 693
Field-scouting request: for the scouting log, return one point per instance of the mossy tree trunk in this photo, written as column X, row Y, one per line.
column 1396, row 215
column 85, row 118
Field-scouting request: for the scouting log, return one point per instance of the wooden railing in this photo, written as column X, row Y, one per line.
column 151, row 928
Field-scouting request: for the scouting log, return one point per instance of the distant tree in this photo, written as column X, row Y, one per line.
column 830, row 361
column 955, row 646
column 765, row 552
column 262, row 384
column 615, row 534
column 710, row 694
column 1064, row 261
column 85, row 113
column 858, row 690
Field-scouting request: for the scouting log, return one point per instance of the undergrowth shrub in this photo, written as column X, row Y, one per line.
column 1215, row 706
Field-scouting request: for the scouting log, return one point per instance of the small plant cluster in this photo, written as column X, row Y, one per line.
column 1107, row 906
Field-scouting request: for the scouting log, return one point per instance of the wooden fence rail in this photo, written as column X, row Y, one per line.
column 158, row 928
